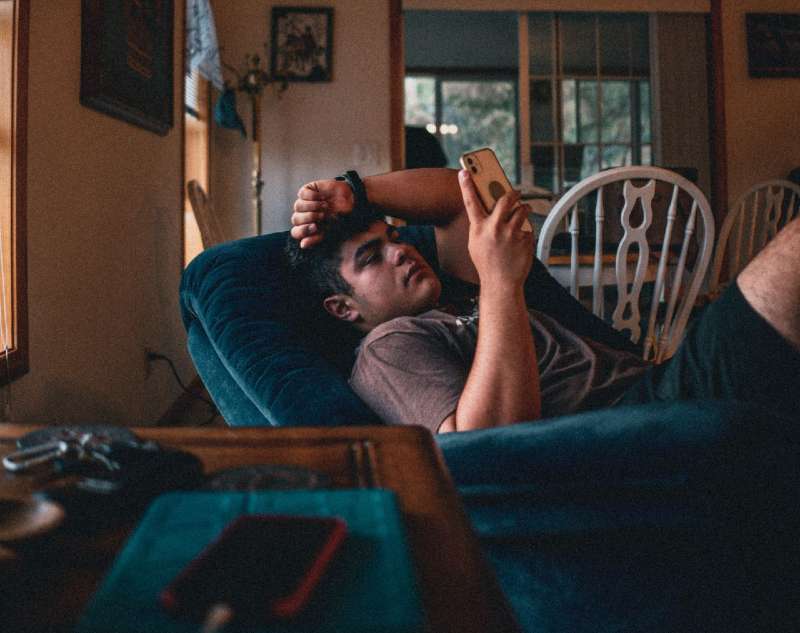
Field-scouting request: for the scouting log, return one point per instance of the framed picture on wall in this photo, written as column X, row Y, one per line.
column 773, row 44
column 126, row 60
column 302, row 43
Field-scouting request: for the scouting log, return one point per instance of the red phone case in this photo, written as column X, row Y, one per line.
column 220, row 574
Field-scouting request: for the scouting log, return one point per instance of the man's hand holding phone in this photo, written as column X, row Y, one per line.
column 317, row 202
column 500, row 247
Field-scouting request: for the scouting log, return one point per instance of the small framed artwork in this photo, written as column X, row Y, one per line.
column 126, row 60
column 302, row 43
column 773, row 44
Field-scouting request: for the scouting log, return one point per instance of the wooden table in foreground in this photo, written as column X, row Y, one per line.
column 460, row 594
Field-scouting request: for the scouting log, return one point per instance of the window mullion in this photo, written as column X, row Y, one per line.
column 558, row 76
column 437, row 108
column 599, row 93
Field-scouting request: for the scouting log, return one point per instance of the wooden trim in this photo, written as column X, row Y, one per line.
column 466, row 72
column 396, row 85
column 524, row 103
column 182, row 195
column 718, row 150
column 18, row 361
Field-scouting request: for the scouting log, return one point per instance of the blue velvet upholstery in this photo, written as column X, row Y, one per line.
column 251, row 340
column 666, row 517
column 659, row 517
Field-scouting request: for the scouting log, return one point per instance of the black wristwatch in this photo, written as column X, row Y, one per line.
column 360, row 201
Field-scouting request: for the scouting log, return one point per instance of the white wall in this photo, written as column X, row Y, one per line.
column 313, row 129
column 761, row 114
column 104, row 255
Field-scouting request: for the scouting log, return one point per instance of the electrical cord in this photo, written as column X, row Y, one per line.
column 156, row 356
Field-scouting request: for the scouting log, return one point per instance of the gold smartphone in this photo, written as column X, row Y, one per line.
column 489, row 177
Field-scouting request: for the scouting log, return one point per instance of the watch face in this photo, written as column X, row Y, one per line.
column 101, row 432
column 266, row 477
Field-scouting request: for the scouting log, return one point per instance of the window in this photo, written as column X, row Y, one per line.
column 462, row 71
column 589, row 94
column 196, row 153
column 13, row 113
column 466, row 111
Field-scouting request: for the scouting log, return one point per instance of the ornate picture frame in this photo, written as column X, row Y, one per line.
column 127, row 61
column 773, row 44
column 302, row 43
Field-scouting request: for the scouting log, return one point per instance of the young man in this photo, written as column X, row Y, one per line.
column 420, row 364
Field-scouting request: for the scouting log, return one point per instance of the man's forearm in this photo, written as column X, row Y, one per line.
column 503, row 382
column 419, row 196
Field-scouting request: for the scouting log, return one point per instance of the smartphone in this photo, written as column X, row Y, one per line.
column 264, row 567
column 489, row 177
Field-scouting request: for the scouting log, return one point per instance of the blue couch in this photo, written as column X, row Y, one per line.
column 660, row 517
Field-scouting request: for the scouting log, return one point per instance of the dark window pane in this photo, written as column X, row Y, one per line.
column 573, row 163
column 640, row 44
column 540, row 38
column 542, row 110
column 588, row 130
column 578, row 44
column 616, row 96
column 477, row 114
column 615, row 52
column 569, row 111
column 544, row 167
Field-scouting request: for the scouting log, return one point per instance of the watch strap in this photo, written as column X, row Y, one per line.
column 353, row 180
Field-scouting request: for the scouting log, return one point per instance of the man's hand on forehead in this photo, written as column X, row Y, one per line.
column 317, row 203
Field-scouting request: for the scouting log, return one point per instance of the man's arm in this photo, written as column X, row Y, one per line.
column 419, row 196
column 503, row 383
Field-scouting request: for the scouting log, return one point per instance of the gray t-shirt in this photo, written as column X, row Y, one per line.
column 412, row 369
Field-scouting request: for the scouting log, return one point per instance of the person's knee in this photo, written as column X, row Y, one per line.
column 771, row 283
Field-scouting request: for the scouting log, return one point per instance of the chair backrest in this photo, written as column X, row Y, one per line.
column 753, row 220
column 210, row 232
column 675, row 265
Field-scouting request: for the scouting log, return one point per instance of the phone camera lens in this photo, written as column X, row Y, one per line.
column 469, row 160
column 474, row 169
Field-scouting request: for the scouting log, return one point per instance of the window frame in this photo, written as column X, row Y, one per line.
column 192, row 244
column 557, row 76
column 16, row 362
column 486, row 75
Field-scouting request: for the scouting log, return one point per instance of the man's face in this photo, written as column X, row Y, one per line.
column 388, row 278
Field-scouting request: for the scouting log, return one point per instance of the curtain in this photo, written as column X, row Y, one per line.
column 202, row 50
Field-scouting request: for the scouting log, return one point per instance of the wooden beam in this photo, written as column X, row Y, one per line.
column 719, row 153
column 396, row 84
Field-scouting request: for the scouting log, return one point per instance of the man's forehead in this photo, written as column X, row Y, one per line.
column 376, row 229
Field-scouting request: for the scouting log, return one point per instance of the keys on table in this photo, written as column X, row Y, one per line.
column 86, row 452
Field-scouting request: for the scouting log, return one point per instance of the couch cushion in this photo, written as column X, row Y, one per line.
column 256, row 327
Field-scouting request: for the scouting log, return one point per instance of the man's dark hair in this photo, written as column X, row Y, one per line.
column 317, row 268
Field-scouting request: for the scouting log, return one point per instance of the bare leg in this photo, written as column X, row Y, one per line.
column 771, row 283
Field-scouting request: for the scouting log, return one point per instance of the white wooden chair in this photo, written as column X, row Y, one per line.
column 753, row 220
column 210, row 232
column 676, row 279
